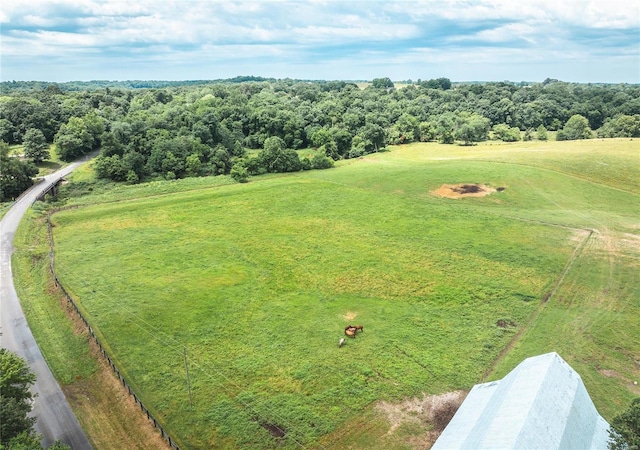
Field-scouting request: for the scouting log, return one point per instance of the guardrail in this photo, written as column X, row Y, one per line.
column 51, row 187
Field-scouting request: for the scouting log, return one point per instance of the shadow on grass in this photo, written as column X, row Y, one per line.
column 47, row 167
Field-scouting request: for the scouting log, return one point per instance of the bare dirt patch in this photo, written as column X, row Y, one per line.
column 632, row 385
column 349, row 315
column 609, row 373
column 431, row 412
column 275, row 430
column 464, row 190
column 505, row 323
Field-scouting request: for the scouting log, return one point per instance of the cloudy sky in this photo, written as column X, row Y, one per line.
column 464, row 40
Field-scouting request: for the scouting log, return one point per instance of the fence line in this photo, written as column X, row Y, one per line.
column 115, row 369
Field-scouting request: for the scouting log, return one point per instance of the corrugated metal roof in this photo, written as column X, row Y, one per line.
column 541, row 404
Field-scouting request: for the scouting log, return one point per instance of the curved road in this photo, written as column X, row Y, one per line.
column 54, row 417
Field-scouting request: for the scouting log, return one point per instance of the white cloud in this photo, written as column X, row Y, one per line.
column 588, row 13
column 506, row 33
column 374, row 32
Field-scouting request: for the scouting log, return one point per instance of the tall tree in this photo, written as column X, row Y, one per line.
column 275, row 157
column 577, row 127
column 506, row 133
column 15, row 175
column 541, row 133
column 376, row 135
column 471, row 128
column 35, row 145
column 15, row 404
column 73, row 139
column 382, row 83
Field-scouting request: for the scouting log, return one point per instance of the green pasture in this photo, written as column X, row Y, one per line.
column 254, row 284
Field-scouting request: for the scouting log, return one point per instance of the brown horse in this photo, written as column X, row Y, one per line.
column 350, row 332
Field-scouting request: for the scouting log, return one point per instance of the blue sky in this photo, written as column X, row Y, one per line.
column 464, row 40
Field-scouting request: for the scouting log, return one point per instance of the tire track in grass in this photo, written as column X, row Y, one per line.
column 546, row 298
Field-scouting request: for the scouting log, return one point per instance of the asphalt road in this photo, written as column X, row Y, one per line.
column 54, row 417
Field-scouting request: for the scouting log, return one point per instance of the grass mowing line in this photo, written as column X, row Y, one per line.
column 150, row 196
column 539, row 308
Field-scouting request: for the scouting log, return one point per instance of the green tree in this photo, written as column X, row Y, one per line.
column 95, row 125
column 625, row 428
column 320, row 137
column 7, row 131
column 528, row 135
column 541, row 133
column 321, row 161
column 193, row 164
column 35, row 145
column 110, row 144
column 73, row 139
column 471, row 128
column 504, row 132
column 239, row 172
column 25, row 441
column 330, row 149
column 427, row 131
column 15, row 397
column 276, row 158
column 621, row 126
column 111, row 167
column 577, row 127
column 375, row 135
column 342, row 137
column 439, row 83
column 15, row 175
column 445, row 126
column 358, row 147
column 408, row 128
column 382, row 83
column 219, row 160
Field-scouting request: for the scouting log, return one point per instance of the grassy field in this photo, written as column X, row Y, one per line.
column 255, row 283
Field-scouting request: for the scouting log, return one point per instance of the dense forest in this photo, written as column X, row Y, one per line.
column 151, row 129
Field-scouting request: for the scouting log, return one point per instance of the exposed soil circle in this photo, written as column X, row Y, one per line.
column 465, row 190
column 432, row 413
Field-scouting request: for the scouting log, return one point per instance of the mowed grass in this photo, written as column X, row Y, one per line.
column 255, row 283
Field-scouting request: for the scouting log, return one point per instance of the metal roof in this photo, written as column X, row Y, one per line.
column 541, row 404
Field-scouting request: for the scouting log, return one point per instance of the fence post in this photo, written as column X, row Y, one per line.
column 143, row 408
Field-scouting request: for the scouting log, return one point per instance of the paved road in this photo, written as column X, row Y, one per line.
column 54, row 417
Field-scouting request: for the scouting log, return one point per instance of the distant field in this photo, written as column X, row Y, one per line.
column 256, row 283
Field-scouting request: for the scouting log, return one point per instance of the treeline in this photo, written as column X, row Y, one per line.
column 206, row 128
column 8, row 87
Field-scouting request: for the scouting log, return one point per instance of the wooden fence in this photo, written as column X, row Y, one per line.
column 72, row 302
